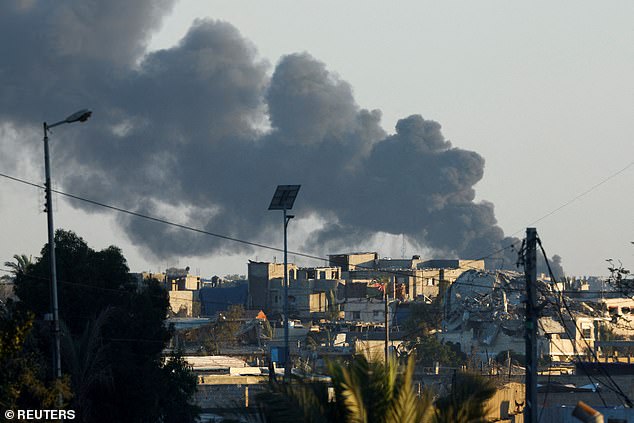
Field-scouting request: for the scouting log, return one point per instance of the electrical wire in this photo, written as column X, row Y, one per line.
column 577, row 197
column 407, row 273
column 160, row 220
column 562, row 300
column 575, row 352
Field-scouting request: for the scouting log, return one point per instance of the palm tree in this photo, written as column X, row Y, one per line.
column 21, row 265
column 466, row 401
column 364, row 391
column 369, row 390
column 372, row 391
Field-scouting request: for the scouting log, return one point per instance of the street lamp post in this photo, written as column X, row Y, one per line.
column 283, row 199
column 80, row 116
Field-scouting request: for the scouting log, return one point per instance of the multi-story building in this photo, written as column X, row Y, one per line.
column 260, row 275
column 183, row 290
column 353, row 261
column 307, row 298
column 370, row 310
column 419, row 278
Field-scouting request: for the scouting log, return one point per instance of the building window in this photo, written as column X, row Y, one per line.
column 586, row 331
column 356, row 315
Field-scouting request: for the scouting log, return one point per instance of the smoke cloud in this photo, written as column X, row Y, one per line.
column 203, row 132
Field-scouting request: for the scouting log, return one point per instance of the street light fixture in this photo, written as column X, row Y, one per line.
column 80, row 116
column 283, row 199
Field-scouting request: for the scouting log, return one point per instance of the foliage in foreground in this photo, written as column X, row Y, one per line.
column 23, row 380
column 113, row 335
column 371, row 391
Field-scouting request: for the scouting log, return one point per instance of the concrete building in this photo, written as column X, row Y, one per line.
column 452, row 264
column 183, row 290
column 372, row 344
column 369, row 310
column 328, row 273
column 562, row 341
column 180, row 280
column 353, row 261
column 484, row 314
column 426, row 278
column 260, row 275
column 307, row 298
column 309, row 289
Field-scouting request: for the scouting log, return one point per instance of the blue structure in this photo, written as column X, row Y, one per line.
column 215, row 299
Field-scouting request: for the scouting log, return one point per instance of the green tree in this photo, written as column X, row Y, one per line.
column 222, row 332
column 21, row 264
column 23, row 380
column 364, row 391
column 371, row 391
column 466, row 401
column 424, row 318
column 620, row 277
column 115, row 360
column 429, row 350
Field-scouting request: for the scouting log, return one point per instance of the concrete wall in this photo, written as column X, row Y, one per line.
column 230, row 394
column 366, row 310
column 185, row 300
column 260, row 274
column 308, row 298
column 352, row 261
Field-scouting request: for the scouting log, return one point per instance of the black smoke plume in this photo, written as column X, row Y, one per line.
column 203, row 132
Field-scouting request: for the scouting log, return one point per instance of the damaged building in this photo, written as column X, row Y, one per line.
column 484, row 313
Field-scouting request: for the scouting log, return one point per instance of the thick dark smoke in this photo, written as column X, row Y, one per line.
column 203, row 132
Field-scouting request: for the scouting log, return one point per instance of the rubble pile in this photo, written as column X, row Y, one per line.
column 489, row 302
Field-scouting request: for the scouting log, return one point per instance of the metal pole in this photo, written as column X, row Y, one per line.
column 387, row 326
column 287, row 367
column 57, row 359
column 530, row 269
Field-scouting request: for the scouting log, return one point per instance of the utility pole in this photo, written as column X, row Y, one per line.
column 283, row 199
column 387, row 315
column 80, row 116
column 287, row 351
column 387, row 324
column 57, row 355
column 530, row 271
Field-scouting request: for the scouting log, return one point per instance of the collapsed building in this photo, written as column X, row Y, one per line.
column 484, row 314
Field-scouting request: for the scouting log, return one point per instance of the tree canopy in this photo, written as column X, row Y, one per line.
column 114, row 334
column 370, row 390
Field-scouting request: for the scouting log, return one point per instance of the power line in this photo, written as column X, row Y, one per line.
column 259, row 245
column 226, row 237
column 577, row 197
column 160, row 220
column 574, row 347
column 562, row 300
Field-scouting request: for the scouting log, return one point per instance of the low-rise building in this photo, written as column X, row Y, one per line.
column 370, row 310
